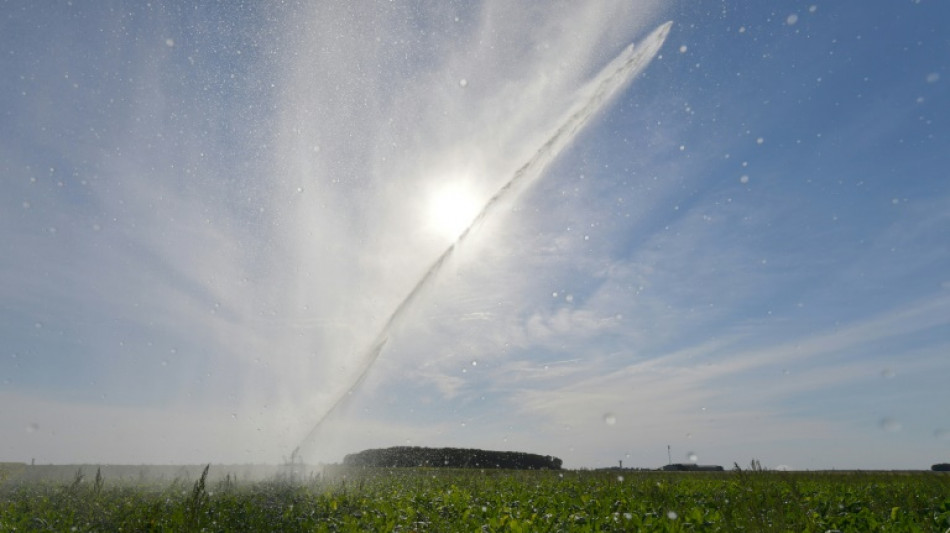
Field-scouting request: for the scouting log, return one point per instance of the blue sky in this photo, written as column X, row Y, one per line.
column 208, row 213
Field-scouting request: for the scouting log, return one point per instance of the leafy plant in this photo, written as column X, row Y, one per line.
column 199, row 501
column 435, row 499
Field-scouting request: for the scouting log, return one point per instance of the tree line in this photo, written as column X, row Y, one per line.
column 416, row 456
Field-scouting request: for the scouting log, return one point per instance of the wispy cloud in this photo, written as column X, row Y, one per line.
column 199, row 223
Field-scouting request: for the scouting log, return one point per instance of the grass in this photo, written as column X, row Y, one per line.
column 492, row 500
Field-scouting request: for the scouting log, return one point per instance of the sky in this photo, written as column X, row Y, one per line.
column 208, row 213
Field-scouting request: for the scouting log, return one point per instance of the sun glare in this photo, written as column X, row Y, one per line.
column 452, row 207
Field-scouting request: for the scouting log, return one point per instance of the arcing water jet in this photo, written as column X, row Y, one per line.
column 606, row 84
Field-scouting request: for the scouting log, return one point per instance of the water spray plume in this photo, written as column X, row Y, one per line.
column 605, row 85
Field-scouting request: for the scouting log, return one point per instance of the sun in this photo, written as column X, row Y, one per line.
column 451, row 209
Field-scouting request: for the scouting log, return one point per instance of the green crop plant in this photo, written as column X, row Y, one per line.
column 431, row 499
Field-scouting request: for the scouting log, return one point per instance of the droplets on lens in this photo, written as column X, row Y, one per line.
column 610, row 419
column 891, row 425
column 692, row 457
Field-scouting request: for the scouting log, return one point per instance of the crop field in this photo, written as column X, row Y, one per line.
column 490, row 500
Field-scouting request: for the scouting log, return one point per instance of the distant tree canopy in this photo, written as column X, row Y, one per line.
column 414, row 456
column 941, row 467
column 690, row 467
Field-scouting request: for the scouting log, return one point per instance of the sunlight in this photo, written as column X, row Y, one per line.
column 451, row 208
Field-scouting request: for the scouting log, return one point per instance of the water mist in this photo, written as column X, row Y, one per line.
column 606, row 84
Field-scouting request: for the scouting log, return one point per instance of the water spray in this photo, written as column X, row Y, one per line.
column 607, row 83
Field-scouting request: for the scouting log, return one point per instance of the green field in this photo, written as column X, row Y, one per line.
column 491, row 500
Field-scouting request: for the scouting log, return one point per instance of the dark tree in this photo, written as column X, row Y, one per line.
column 414, row 456
column 690, row 467
column 941, row 467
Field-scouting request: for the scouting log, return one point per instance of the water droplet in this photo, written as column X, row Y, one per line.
column 792, row 19
column 812, row 8
column 888, row 373
column 672, row 515
column 234, row 416
column 620, row 479
column 164, row 362
column 692, row 457
column 32, row 428
column 299, row 189
column 463, row 83
column 890, row 424
column 169, row 42
column 683, row 49
column 760, row 140
column 933, row 77
column 569, row 298
column 610, row 419
column 25, row 204
column 744, row 179
column 628, row 516
column 474, row 363
column 942, row 434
